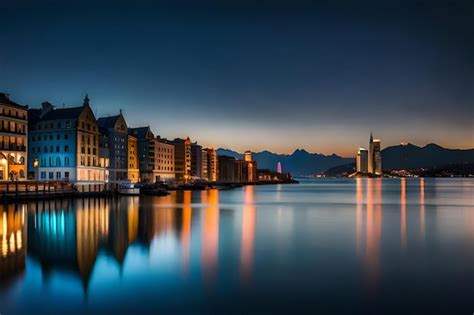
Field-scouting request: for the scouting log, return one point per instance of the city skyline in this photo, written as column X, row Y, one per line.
column 311, row 76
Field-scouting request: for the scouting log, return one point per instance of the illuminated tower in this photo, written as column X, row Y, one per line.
column 279, row 168
column 375, row 156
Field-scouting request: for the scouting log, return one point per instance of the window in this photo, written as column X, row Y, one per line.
column 51, row 175
column 43, row 175
column 66, row 161
column 65, row 136
column 57, row 148
column 58, row 161
column 66, row 175
column 58, row 136
column 68, row 124
column 51, row 148
column 66, row 148
column 58, row 175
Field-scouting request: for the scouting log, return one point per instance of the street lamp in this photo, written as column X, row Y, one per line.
column 35, row 165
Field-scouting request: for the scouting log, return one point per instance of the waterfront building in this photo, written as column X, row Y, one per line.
column 375, row 156
column 250, row 168
column 362, row 160
column 196, row 161
column 116, row 130
column 211, row 164
column 13, row 139
column 204, row 171
column 227, row 169
column 182, row 158
column 133, row 172
column 104, row 154
column 146, row 152
column 165, row 157
column 64, row 144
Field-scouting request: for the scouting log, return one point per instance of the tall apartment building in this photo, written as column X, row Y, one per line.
column 65, row 144
column 133, row 170
column 164, row 160
column 13, row 139
column 182, row 158
column 375, row 156
column 116, row 130
column 196, row 161
column 211, row 161
column 146, row 152
column 362, row 160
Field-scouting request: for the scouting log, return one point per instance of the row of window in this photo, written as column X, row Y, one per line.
column 54, row 162
column 50, row 137
column 11, row 126
column 51, row 149
column 13, row 113
column 67, row 124
column 51, row 175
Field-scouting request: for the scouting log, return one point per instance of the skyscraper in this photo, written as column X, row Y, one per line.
column 375, row 156
column 362, row 160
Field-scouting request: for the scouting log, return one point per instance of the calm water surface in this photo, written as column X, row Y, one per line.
column 327, row 246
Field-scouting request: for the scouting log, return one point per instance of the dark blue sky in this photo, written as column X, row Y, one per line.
column 239, row 75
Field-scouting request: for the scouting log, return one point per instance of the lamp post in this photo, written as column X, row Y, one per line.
column 35, row 166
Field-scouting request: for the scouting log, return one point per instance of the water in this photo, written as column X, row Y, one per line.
column 338, row 246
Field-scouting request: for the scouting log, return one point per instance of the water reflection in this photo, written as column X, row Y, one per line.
column 186, row 230
column 67, row 235
column 210, row 234
column 13, row 241
column 172, row 246
column 403, row 212
column 248, row 233
column 373, row 229
column 422, row 209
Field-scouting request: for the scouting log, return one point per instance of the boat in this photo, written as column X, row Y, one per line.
column 128, row 188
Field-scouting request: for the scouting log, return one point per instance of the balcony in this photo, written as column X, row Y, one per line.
column 12, row 147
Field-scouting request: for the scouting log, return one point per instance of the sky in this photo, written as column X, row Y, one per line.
column 252, row 75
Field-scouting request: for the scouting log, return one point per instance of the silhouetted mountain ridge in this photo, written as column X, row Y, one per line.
column 300, row 162
column 411, row 156
column 408, row 156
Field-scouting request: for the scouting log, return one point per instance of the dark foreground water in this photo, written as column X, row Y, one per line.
column 325, row 246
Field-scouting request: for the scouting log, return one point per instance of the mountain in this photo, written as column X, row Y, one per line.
column 409, row 156
column 300, row 162
column 432, row 155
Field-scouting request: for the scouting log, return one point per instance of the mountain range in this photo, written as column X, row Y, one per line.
column 407, row 156
column 300, row 162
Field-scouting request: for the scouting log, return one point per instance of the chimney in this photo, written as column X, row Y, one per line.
column 46, row 107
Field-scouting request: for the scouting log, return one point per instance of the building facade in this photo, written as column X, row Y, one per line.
column 227, row 169
column 13, row 140
column 164, row 158
column 362, row 161
column 211, row 161
column 65, row 144
column 182, row 158
column 375, row 156
column 116, row 130
column 133, row 172
column 196, row 161
column 146, row 152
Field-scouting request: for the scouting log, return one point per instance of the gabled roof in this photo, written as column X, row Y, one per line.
column 64, row 113
column 108, row 122
column 4, row 99
column 140, row 132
